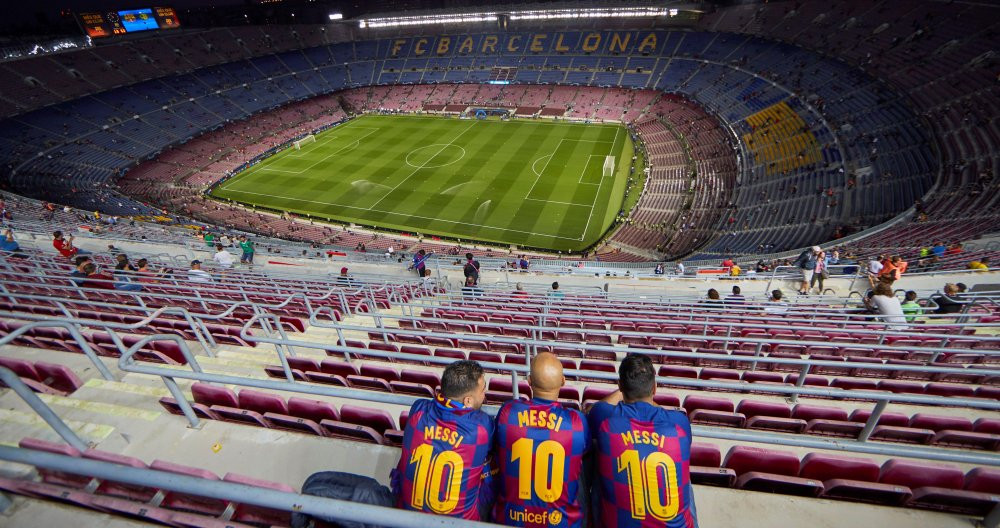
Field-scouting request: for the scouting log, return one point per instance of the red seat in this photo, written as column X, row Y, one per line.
column 338, row 368
column 987, row 425
column 939, row 423
column 58, row 377
column 596, row 393
column 52, row 476
column 377, row 419
column 704, row 466
column 369, row 383
column 259, row 515
column 292, row 423
column 769, row 470
column 303, row 364
column 949, row 389
column 411, row 389
column 713, row 411
column 121, row 489
column 937, row 486
column 450, row 353
column 24, row 369
column 207, row 394
column 430, row 379
column 375, row 371
column 851, row 478
column 907, row 435
column 350, row 431
column 901, row 387
column 182, row 501
column 200, row 410
column 262, row 402
column 314, row 410
column 237, row 415
column 886, row 418
column 770, row 416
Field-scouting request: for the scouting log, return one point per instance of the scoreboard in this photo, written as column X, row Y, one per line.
column 111, row 23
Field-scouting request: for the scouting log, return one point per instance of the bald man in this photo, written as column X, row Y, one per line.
column 540, row 447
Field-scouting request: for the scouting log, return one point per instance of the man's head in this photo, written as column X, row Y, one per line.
column 776, row 295
column 961, row 287
column 637, row 378
column 737, row 290
column 81, row 262
column 470, row 281
column 911, row 296
column 468, row 256
column 243, row 238
column 142, row 263
column 950, row 289
column 519, row 287
column 465, row 382
column 985, row 260
column 546, row 377
column 218, row 247
column 196, row 264
column 121, row 257
column 555, row 285
column 57, row 235
column 421, row 252
column 89, row 268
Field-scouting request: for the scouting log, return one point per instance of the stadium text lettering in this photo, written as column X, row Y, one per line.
column 643, row 437
column 443, row 433
column 533, row 418
column 609, row 42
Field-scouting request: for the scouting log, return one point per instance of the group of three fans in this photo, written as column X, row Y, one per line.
column 539, row 464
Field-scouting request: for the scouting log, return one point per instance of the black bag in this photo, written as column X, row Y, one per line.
column 343, row 486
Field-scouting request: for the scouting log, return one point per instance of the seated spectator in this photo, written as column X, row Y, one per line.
column 982, row 264
column 104, row 281
column 196, row 274
column 554, row 292
column 955, row 249
column 223, row 258
column 79, row 273
column 519, row 291
column 727, row 264
column 736, row 297
column 735, row 270
column 775, row 304
column 145, row 274
column 470, row 289
column 10, row 245
column 658, row 270
column 962, row 288
column 523, row 263
column 65, row 245
column 123, row 264
column 713, row 297
column 939, row 249
column 344, row 279
column 887, row 306
column 680, row 268
column 911, row 308
column 948, row 303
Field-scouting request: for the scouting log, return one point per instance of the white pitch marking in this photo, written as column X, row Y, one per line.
column 598, row 196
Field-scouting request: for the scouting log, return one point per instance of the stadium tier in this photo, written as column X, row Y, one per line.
column 274, row 219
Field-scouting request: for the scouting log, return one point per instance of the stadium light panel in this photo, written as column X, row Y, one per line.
column 534, row 14
column 336, row 16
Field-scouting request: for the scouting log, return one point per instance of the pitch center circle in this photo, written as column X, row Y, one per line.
column 434, row 156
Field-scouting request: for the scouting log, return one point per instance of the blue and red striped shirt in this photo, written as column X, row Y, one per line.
column 445, row 466
column 540, row 447
column 643, row 473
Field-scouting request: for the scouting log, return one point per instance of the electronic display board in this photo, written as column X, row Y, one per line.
column 111, row 23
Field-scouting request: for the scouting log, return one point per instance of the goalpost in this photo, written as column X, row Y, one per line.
column 609, row 166
column 308, row 139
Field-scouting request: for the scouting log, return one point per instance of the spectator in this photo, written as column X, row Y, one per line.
column 874, row 269
column 659, row 269
column 712, row 297
column 834, row 258
column 806, row 262
column 123, row 264
column 419, row 262
column 428, row 281
column 523, row 263
column 104, row 281
column 736, row 297
column 819, row 272
column 727, row 264
column 450, row 426
column 145, row 274
column 982, row 264
column 113, row 250
column 761, row 267
column 954, row 249
column 544, row 423
column 948, row 302
column 196, row 274
column 470, row 289
column 554, row 292
column 626, row 412
column 223, row 258
column 209, row 239
column 65, row 245
column 11, row 246
column 887, row 305
column 79, row 272
column 962, row 288
column 344, row 279
column 775, row 304
column 735, row 270
column 911, row 308
column 519, row 291
column 939, row 249
column 248, row 249
column 680, row 268
column 471, row 269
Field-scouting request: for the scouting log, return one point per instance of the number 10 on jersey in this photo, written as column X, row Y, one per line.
column 646, row 478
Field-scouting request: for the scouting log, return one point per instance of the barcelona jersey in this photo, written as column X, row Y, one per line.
column 444, row 466
column 540, row 447
column 643, row 475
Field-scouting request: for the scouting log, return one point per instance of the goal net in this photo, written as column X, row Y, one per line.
column 609, row 166
column 308, row 139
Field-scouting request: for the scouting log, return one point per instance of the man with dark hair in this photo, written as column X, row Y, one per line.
column 444, row 467
column 643, row 452
column 471, row 269
column 736, row 297
column 541, row 437
column 80, row 272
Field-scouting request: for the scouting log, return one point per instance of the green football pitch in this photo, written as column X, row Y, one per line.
column 528, row 183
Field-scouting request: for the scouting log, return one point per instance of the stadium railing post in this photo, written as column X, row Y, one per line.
column 181, row 400
column 37, row 405
column 872, row 420
column 992, row 519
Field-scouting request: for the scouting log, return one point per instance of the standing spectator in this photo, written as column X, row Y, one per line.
column 523, row 263
column 471, row 268
column 450, row 428
column 911, row 308
column 736, row 297
column 982, row 264
column 65, row 245
column 554, row 292
column 874, row 269
column 680, row 268
column 420, row 262
column 223, row 258
column 209, row 239
column 727, row 264
column 246, row 245
column 196, row 274
column 807, row 263
column 887, row 305
column 658, row 270
column 819, row 272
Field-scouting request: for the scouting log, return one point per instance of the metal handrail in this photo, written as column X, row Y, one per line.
column 128, row 364
column 240, row 493
column 74, row 332
column 12, row 380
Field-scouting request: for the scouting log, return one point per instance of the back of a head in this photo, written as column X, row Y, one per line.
column 142, row 263
column 555, row 285
column 218, row 247
column 776, row 295
column 90, row 268
column 713, row 293
column 637, row 377
column 546, row 376
column 737, row 290
column 883, row 289
column 468, row 256
column 911, row 296
column 460, row 378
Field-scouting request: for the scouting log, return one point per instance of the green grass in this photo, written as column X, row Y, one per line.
column 528, row 183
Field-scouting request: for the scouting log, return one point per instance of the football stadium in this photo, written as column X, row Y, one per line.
column 411, row 263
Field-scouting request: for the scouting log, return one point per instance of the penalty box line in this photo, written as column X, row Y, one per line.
column 553, row 154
